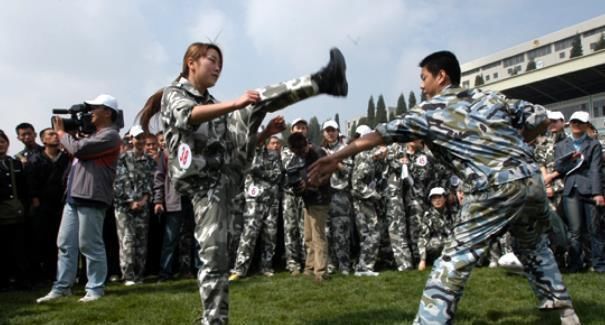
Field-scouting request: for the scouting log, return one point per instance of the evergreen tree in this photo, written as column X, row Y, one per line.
column 371, row 117
column 314, row 131
column 600, row 43
column 576, row 47
column 352, row 129
column 381, row 111
column 479, row 80
column 411, row 100
column 401, row 106
column 337, row 119
column 531, row 65
column 286, row 133
column 391, row 115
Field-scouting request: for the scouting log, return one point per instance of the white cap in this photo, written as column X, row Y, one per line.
column 555, row 115
column 436, row 191
column 105, row 100
column 580, row 116
column 330, row 124
column 278, row 136
column 299, row 120
column 363, row 130
column 136, row 130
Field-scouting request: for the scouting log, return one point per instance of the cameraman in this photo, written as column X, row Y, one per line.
column 89, row 194
column 316, row 199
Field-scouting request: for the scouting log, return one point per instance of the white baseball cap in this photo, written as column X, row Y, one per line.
column 299, row 120
column 330, row 124
column 555, row 115
column 436, row 191
column 105, row 100
column 580, row 116
column 363, row 130
column 136, row 130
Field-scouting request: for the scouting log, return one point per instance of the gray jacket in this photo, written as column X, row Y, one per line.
column 93, row 169
column 163, row 188
column 587, row 178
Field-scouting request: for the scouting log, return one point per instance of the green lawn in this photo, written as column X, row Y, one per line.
column 491, row 297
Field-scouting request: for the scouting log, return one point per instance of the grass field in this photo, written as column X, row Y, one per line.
column 491, row 297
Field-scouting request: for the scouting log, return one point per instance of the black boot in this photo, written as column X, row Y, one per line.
column 332, row 79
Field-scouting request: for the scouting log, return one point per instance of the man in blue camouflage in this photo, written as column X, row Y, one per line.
column 482, row 136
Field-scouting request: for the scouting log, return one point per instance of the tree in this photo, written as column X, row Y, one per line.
column 337, row 119
column 286, row 133
column 314, row 131
column 531, row 65
column 352, row 129
column 381, row 111
column 479, row 80
column 371, row 117
column 600, row 45
column 576, row 47
column 391, row 115
column 411, row 100
column 401, row 106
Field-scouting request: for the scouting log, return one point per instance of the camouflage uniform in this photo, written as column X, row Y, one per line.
column 293, row 214
column 435, row 227
column 134, row 179
column 262, row 199
column 206, row 162
column 365, row 198
column 339, row 223
column 478, row 134
column 236, row 224
column 395, row 208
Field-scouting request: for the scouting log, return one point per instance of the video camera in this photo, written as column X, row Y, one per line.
column 81, row 119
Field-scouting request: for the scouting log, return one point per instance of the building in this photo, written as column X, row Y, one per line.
column 543, row 71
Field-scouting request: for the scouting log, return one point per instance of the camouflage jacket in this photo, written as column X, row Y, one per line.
column 363, row 179
column 200, row 153
column 134, row 178
column 340, row 179
column 266, row 173
column 475, row 134
column 422, row 169
column 544, row 151
column 393, row 171
column 435, row 224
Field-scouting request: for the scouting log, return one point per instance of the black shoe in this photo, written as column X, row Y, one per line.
column 332, row 79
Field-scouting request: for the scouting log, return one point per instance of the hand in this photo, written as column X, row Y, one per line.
column 422, row 265
column 276, row 125
column 35, row 202
column 158, row 208
column 249, row 97
column 134, row 205
column 549, row 192
column 320, row 171
column 599, row 200
column 58, row 124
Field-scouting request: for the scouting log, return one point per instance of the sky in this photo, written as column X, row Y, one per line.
column 56, row 53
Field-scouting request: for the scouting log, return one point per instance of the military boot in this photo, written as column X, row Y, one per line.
column 332, row 79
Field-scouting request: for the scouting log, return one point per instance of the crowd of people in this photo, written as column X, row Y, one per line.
column 155, row 206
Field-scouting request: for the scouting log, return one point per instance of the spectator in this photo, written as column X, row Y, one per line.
column 47, row 187
column 133, row 190
column 27, row 135
column 435, row 227
column 89, row 194
column 13, row 196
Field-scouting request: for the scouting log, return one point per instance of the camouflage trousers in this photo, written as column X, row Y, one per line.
column 236, row 226
column 133, row 230
column 521, row 208
column 260, row 217
column 416, row 208
column 396, row 226
column 366, row 220
column 293, row 213
column 339, row 230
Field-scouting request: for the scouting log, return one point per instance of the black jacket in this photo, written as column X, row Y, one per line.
column 586, row 180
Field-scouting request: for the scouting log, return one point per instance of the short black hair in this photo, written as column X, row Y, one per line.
column 3, row 136
column 297, row 140
column 23, row 126
column 443, row 60
column 41, row 134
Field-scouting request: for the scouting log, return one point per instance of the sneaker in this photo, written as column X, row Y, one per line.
column 366, row 273
column 129, row 283
column 89, row 297
column 309, row 273
column 295, row 273
column 332, row 79
column 53, row 295
column 234, row 277
column 493, row 264
column 510, row 262
column 114, row 278
column 404, row 268
column 268, row 273
column 345, row 272
column 569, row 317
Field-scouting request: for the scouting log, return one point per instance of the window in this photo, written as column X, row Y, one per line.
column 513, row 60
column 561, row 55
column 491, row 65
column 486, row 77
column 465, row 84
column 495, row 75
column 466, row 73
column 598, row 108
column 541, row 51
column 594, row 31
column 564, row 44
